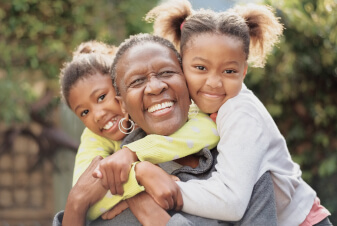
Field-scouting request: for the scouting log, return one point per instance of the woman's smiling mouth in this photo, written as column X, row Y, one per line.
column 158, row 107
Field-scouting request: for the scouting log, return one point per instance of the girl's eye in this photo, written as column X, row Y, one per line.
column 201, row 68
column 84, row 113
column 229, row 71
column 100, row 98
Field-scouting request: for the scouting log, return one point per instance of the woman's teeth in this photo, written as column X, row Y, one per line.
column 160, row 106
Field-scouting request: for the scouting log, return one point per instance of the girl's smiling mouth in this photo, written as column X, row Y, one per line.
column 111, row 123
column 211, row 95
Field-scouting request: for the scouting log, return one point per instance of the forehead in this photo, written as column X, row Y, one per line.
column 84, row 87
column 147, row 56
column 147, row 50
column 215, row 46
column 207, row 39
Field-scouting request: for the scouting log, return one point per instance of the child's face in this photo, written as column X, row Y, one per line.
column 153, row 88
column 93, row 101
column 214, row 67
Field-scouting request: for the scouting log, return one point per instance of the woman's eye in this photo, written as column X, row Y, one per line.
column 84, row 113
column 201, row 68
column 166, row 73
column 136, row 82
column 100, row 98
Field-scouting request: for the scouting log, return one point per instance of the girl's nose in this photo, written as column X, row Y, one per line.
column 214, row 81
column 98, row 115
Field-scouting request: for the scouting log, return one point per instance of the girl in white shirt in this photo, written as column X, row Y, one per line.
column 216, row 49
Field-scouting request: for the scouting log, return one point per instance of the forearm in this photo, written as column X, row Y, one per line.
column 131, row 188
column 241, row 150
column 91, row 146
column 196, row 134
column 74, row 213
column 147, row 211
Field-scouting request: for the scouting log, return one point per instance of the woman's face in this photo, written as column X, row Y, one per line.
column 215, row 67
column 153, row 88
column 93, row 101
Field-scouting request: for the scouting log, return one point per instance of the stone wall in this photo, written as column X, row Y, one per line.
column 26, row 193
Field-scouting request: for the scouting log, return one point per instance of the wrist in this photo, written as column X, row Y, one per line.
column 132, row 154
column 140, row 170
column 76, row 203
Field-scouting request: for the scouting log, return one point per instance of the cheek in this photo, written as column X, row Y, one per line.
column 90, row 125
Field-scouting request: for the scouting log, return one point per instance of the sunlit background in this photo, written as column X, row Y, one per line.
column 39, row 135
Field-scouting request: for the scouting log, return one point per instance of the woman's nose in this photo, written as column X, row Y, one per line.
column 155, row 86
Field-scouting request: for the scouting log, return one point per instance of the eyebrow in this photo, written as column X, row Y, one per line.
column 205, row 60
column 199, row 58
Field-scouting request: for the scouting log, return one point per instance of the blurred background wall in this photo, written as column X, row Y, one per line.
column 39, row 135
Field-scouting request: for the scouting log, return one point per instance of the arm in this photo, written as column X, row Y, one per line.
column 159, row 185
column 91, row 146
column 199, row 132
column 152, row 214
column 85, row 192
column 241, row 148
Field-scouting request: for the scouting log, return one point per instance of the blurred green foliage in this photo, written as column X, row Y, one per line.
column 298, row 86
column 37, row 36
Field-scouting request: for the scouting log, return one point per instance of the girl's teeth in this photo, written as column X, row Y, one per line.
column 108, row 125
column 160, row 106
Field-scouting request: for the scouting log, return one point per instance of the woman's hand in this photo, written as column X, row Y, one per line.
column 86, row 192
column 114, row 170
column 147, row 211
column 159, row 185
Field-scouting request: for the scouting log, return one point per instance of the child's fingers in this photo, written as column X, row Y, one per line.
column 170, row 202
column 174, row 178
column 179, row 201
column 163, row 203
column 118, row 184
column 124, row 175
column 97, row 173
column 111, row 182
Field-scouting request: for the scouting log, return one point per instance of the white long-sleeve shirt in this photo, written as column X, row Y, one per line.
column 250, row 144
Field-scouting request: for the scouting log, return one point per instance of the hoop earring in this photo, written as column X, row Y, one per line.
column 120, row 124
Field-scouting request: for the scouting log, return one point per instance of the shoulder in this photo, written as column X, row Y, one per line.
column 245, row 101
column 87, row 134
column 89, row 138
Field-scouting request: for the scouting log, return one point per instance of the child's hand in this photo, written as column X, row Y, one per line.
column 160, row 185
column 114, row 170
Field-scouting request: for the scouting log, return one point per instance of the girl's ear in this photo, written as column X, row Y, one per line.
column 245, row 70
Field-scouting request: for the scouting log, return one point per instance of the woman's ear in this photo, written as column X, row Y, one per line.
column 121, row 104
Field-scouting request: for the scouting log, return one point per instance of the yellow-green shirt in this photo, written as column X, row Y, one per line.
column 198, row 132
